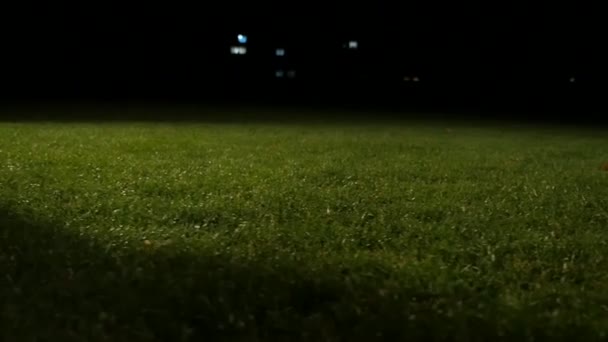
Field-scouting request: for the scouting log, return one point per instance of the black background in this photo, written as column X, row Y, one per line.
column 500, row 55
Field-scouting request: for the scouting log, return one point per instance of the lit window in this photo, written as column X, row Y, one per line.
column 238, row 50
column 291, row 73
column 279, row 52
column 242, row 38
column 279, row 74
column 353, row 44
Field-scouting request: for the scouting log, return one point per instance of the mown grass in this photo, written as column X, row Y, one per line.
column 143, row 232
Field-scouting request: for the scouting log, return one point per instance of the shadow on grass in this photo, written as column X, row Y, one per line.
column 64, row 287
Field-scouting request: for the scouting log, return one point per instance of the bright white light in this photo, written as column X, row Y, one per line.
column 242, row 39
column 291, row 73
column 238, row 50
column 279, row 74
column 353, row 44
column 279, row 52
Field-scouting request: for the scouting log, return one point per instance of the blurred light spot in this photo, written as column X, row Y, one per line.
column 291, row 74
column 279, row 74
column 280, row 52
column 242, row 39
column 416, row 79
column 572, row 79
column 353, row 44
column 238, row 50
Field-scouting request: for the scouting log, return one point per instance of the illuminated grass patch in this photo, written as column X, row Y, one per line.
column 133, row 231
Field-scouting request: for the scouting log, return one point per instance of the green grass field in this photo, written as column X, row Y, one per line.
column 193, row 231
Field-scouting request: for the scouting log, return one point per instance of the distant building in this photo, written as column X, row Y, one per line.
column 239, row 49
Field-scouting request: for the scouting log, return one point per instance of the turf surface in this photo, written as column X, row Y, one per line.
column 190, row 231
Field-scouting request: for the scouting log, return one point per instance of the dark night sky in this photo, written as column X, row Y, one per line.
column 105, row 50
